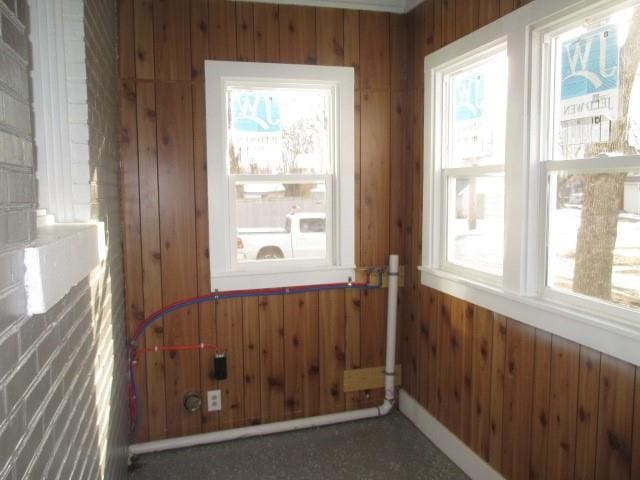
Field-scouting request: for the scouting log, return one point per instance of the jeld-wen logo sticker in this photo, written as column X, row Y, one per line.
column 590, row 71
column 255, row 112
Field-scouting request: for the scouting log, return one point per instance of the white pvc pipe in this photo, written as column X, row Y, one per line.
column 390, row 362
column 309, row 422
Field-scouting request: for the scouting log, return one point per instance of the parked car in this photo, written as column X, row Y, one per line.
column 303, row 236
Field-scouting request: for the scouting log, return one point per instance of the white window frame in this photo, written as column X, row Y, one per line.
column 523, row 294
column 339, row 265
column 65, row 227
column 442, row 174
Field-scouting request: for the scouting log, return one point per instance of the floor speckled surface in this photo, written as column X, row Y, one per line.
column 386, row 448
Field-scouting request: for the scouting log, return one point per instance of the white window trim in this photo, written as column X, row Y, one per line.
column 65, row 229
column 225, row 275
column 522, row 295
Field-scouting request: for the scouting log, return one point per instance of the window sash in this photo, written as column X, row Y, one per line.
column 284, row 264
column 448, row 201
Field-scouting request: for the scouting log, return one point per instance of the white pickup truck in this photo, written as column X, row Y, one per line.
column 303, row 236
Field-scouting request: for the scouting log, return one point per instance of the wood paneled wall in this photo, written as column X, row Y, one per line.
column 532, row 404
column 286, row 354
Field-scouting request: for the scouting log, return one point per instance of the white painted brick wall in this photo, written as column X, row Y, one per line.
column 63, row 401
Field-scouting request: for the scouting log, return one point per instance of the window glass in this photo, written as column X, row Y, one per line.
column 280, row 220
column 478, row 112
column 594, row 235
column 279, row 130
column 476, row 222
column 596, row 84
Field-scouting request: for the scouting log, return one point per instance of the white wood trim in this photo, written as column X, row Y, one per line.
column 281, row 279
column 392, row 6
column 617, row 337
column 49, row 273
column 342, row 216
column 454, row 448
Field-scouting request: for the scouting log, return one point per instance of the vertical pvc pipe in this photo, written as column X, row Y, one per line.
column 390, row 363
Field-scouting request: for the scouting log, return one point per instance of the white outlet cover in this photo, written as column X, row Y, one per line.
column 214, row 400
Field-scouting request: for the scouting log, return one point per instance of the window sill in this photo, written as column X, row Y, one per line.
column 61, row 256
column 608, row 335
column 302, row 276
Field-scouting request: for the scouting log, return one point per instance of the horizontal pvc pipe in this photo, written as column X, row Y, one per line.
column 253, row 431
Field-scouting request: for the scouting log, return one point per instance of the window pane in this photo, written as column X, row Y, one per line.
column 596, row 100
column 477, row 113
column 594, row 235
column 279, row 130
column 280, row 220
column 476, row 222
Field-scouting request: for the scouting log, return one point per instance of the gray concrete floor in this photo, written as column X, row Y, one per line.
column 383, row 448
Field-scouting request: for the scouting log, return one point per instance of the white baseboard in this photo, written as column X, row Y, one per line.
column 468, row 461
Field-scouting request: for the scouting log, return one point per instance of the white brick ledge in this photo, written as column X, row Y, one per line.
column 61, row 256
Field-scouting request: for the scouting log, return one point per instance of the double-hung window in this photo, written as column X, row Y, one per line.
column 532, row 170
column 280, row 162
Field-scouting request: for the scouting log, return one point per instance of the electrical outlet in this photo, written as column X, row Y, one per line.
column 214, row 400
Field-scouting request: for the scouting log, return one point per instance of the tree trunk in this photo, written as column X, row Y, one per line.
column 603, row 193
column 597, row 234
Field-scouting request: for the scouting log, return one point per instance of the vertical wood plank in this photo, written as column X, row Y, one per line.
column 266, row 23
column 455, row 376
column 587, row 426
column 430, row 26
column 151, row 252
column 222, row 35
column 230, row 337
column 540, row 416
column 445, row 360
column 297, row 34
column 272, row 351
column 171, row 31
column 372, row 346
column 126, row 45
column 397, row 51
column 353, row 302
column 374, row 51
column 144, row 39
column 397, row 180
column 448, row 21
column 438, row 25
column 565, row 361
column 330, row 36
column 332, row 350
column 498, row 357
column 518, row 389
column 488, row 11
column 433, row 368
column 245, row 32
column 352, row 43
column 466, row 17
column 615, row 419
column 311, row 335
column 251, row 350
column 206, row 311
column 506, row 6
column 481, row 382
column 177, row 237
column 466, row 345
column 199, row 38
column 374, row 171
column 296, row 309
column 423, row 380
column 131, row 241
column 357, row 172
